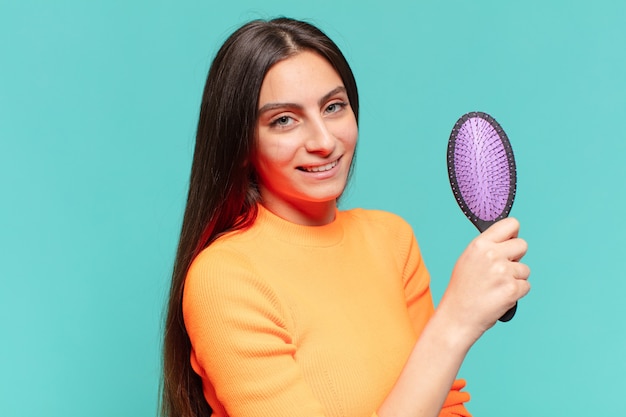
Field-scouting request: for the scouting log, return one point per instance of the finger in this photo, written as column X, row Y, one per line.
column 514, row 249
column 521, row 271
column 523, row 288
column 519, row 287
column 503, row 230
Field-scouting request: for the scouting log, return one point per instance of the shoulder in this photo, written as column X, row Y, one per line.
column 380, row 221
column 384, row 233
column 217, row 255
column 220, row 269
column 223, row 283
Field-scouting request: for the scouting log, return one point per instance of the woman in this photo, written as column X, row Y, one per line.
column 280, row 303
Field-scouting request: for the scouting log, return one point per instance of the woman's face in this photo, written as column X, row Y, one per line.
column 306, row 134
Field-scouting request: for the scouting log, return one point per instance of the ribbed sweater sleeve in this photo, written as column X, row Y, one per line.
column 420, row 307
column 288, row 321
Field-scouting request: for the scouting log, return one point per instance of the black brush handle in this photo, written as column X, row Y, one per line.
column 509, row 314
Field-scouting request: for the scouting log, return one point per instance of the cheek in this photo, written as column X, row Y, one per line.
column 274, row 156
column 349, row 135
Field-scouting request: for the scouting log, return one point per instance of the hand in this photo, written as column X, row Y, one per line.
column 487, row 279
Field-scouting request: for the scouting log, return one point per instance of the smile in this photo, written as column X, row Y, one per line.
column 320, row 168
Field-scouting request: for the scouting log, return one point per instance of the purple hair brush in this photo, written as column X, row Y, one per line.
column 481, row 168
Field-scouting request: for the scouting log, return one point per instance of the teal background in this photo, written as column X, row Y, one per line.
column 98, row 106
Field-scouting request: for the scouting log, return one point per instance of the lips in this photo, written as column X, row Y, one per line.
column 320, row 168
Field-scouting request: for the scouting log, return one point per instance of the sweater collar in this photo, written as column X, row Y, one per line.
column 284, row 230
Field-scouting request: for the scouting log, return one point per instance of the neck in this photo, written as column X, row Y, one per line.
column 309, row 214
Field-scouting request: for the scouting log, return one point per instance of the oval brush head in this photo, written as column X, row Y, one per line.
column 481, row 168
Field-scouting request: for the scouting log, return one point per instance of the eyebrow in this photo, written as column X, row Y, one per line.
column 326, row 97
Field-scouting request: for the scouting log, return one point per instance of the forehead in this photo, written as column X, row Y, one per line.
column 301, row 77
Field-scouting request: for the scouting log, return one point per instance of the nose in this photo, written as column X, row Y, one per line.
column 320, row 139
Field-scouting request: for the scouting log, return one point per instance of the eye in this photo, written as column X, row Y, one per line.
column 335, row 107
column 282, row 121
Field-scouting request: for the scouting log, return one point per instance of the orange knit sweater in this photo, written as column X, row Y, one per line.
column 290, row 320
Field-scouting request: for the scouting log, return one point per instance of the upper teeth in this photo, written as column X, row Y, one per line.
column 321, row 167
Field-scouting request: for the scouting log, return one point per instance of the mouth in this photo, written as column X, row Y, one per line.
column 320, row 168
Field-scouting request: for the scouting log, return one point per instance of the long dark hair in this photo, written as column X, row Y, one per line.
column 222, row 189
